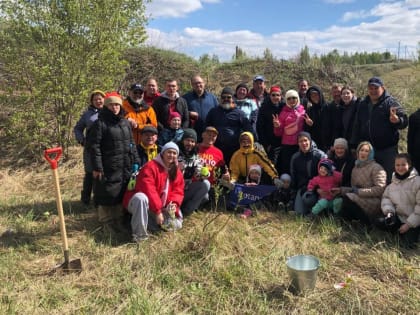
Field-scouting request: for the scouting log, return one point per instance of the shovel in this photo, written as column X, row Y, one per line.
column 52, row 156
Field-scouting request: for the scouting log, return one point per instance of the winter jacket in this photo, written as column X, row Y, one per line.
column 154, row 182
column 304, row 166
column 370, row 180
column 142, row 114
column 291, row 123
column 113, row 152
column 243, row 158
column 169, row 134
column 343, row 119
column 85, row 122
column 373, row 124
column 250, row 108
column 402, row 197
column 150, row 99
column 325, row 183
column 161, row 107
column 321, row 130
column 345, row 166
column 413, row 136
column 230, row 123
column 201, row 105
column 258, row 100
column 265, row 128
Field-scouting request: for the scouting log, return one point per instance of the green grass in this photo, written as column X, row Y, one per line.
column 217, row 264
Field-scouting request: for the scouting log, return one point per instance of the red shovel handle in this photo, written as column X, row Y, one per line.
column 52, row 156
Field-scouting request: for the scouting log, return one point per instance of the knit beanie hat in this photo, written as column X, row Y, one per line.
column 304, row 134
column 170, row 145
column 341, row 142
column 189, row 134
column 227, row 91
column 293, row 93
column 173, row 115
column 243, row 85
column 255, row 167
column 285, row 177
column 328, row 164
column 113, row 97
column 275, row 88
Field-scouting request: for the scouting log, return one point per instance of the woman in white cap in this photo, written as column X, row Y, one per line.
column 158, row 194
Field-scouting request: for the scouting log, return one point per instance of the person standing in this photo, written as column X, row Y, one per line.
column 302, row 88
column 114, row 156
column 81, row 131
column 151, row 92
column 230, row 122
column 258, row 92
column 170, row 101
column 413, row 138
column 247, row 105
column 200, row 102
column 378, row 120
column 138, row 112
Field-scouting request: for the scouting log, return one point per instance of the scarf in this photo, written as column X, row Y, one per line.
column 405, row 175
column 150, row 151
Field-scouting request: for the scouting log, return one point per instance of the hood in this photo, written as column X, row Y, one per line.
column 413, row 173
column 317, row 89
column 165, row 95
column 247, row 150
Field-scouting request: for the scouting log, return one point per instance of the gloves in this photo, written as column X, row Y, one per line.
column 135, row 167
column 278, row 183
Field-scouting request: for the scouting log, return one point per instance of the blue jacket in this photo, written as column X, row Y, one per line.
column 202, row 105
column 373, row 125
column 85, row 122
column 230, row 123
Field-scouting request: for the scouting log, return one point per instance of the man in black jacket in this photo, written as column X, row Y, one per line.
column 378, row 120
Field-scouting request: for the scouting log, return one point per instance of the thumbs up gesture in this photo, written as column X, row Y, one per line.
column 393, row 118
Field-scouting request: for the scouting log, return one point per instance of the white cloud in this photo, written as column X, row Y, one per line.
column 174, row 8
column 396, row 23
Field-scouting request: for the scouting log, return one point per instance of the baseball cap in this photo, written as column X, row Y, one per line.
column 376, row 81
column 258, row 77
column 149, row 129
column 136, row 86
column 211, row 129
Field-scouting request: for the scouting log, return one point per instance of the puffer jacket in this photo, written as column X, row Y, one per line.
column 113, row 152
column 291, row 123
column 370, row 180
column 402, row 197
column 243, row 158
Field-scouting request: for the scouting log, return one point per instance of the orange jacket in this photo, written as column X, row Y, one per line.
column 143, row 115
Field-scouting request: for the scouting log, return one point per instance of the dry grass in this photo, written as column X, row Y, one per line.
column 202, row 269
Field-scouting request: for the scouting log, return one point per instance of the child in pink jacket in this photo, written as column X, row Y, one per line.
column 325, row 182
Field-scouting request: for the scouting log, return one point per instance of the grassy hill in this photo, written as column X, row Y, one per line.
column 217, row 264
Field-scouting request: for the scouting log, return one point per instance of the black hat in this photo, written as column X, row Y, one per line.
column 227, row 90
column 189, row 134
column 136, row 86
column 376, row 81
column 149, row 129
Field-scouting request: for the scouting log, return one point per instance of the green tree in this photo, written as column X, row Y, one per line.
column 304, row 56
column 55, row 52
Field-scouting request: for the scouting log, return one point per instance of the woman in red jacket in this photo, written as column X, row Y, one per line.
column 158, row 194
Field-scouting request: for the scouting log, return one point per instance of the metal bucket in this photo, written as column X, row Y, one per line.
column 302, row 270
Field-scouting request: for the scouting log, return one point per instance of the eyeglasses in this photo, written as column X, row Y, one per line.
column 226, row 97
column 292, row 98
column 275, row 94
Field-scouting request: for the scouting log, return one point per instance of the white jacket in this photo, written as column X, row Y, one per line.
column 402, row 197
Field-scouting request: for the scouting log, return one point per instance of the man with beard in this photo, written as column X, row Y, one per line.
column 137, row 112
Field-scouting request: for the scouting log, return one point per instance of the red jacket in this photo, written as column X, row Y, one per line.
column 291, row 123
column 325, row 183
column 151, row 181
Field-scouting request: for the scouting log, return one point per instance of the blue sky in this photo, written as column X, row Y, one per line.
column 215, row 27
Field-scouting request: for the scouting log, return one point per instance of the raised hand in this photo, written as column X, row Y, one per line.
column 276, row 122
column 393, row 117
column 308, row 120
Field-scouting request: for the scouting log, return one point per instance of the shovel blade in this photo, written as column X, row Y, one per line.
column 72, row 266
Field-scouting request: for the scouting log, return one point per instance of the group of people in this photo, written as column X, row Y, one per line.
column 161, row 156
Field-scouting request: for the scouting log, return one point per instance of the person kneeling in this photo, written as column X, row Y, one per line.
column 158, row 194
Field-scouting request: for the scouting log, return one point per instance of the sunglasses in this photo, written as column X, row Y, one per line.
column 275, row 94
column 226, row 97
column 292, row 98
column 138, row 92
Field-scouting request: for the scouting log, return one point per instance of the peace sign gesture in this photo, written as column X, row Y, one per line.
column 276, row 122
column 308, row 120
column 393, row 117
